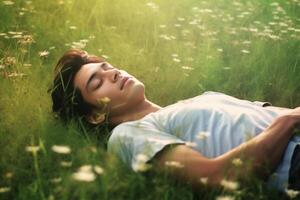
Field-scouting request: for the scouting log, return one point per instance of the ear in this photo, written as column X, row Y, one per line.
column 95, row 118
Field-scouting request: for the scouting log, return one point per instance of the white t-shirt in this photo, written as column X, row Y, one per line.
column 212, row 123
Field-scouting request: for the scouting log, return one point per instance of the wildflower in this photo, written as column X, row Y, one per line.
column 26, row 39
column 91, row 37
column 152, row 5
column 220, row 50
column 27, row 65
column 275, row 4
column 174, row 164
column 8, row 3
column 84, row 176
column 85, row 168
column 56, row 180
column 283, row 24
column 99, row 170
column 32, row 149
column 65, row 164
column 195, row 8
column 203, row 135
column 166, row 37
column 61, row 149
column 14, row 33
column 246, row 42
column 104, row 100
column 194, row 22
column 2, row 66
column 17, row 36
column 141, row 165
column 105, row 56
column 85, row 173
column 9, row 175
column 204, row 180
column 162, row 26
column 185, row 32
column 237, row 162
column 273, row 37
column 227, row 197
column 141, row 157
column 4, row 189
column 187, row 68
column 43, row 54
column 229, row 185
column 176, row 60
column 180, row 19
column 78, row 45
column 233, row 32
column 9, row 61
column 245, row 51
column 73, row 27
column 257, row 22
column 14, row 74
column 292, row 193
column 191, row 144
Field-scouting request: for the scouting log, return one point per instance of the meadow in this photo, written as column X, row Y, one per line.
column 245, row 48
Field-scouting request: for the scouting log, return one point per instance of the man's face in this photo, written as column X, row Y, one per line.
column 99, row 80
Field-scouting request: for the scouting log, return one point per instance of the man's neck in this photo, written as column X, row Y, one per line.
column 141, row 110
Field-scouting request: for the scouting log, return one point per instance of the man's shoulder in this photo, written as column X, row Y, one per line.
column 127, row 129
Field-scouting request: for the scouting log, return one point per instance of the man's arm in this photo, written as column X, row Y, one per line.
column 265, row 149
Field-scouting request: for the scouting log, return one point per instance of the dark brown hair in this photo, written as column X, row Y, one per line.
column 67, row 100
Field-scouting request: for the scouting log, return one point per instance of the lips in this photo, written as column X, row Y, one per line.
column 123, row 81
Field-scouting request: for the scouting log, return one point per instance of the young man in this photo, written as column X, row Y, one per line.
column 201, row 136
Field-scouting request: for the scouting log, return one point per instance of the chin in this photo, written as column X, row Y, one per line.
column 136, row 93
column 134, row 96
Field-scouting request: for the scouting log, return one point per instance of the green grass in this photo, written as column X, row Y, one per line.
column 248, row 49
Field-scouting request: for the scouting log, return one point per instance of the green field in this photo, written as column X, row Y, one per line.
column 245, row 48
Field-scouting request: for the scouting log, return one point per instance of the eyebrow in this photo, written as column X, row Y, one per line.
column 90, row 79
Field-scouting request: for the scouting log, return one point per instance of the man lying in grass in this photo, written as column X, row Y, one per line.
column 212, row 136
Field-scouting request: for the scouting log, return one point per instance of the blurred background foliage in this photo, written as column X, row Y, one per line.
column 179, row 49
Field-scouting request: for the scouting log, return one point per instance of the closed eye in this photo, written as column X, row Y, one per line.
column 96, row 83
column 99, row 84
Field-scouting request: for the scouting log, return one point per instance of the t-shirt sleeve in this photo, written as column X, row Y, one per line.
column 137, row 145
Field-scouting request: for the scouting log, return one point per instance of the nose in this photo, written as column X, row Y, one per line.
column 113, row 74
